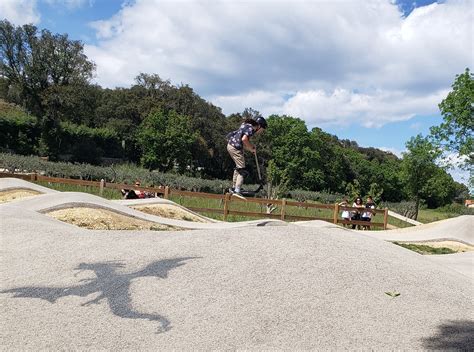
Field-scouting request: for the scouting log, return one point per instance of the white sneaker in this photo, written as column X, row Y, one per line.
column 237, row 194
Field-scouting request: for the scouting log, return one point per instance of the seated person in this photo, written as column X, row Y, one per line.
column 367, row 215
column 356, row 214
column 140, row 194
column 346, row 214
column 133, row 194
column 128, row 193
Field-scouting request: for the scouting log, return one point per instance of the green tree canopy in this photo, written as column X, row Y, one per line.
column 166, row 139
column 33, row 61
column 456, row 132
column 418, row 167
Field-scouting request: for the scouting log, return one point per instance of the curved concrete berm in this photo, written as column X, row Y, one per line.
column 281, row 287
column 10, row 183
column 63, row 200
column 161, row 201
column 460, row 228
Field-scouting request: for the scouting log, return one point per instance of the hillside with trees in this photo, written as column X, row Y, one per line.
column 50, row 107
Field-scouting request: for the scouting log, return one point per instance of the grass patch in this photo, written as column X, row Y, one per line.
column 109, row 193
column 424, row 249
column 430, row 215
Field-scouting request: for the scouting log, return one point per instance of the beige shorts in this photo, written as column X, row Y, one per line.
column 237, row 156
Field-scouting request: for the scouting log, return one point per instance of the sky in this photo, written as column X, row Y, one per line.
column 373, row 71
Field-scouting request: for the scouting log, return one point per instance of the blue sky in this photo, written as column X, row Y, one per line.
column 372, row 71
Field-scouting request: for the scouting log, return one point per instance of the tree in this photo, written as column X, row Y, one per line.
column 33, row 61
column 294, row 152
column 418, row 167
column 36, row 65
column 456, row 132
column 166, row 140
column 439, row 190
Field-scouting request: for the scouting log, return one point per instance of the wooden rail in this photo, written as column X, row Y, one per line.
column 226, row 200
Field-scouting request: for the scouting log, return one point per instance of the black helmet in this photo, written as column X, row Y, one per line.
column 261, row 121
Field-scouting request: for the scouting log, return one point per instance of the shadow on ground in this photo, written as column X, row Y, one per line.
column 452, row 335
column 112, row 286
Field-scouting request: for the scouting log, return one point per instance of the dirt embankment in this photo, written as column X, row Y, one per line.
column 10, row 195
column 102, row 219
column 169, row 211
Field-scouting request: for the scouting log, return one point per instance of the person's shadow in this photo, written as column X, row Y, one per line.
column 112, row 286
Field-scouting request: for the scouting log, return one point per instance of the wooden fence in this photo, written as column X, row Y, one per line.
column 225, row 200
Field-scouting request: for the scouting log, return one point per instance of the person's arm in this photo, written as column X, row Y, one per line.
column 247, row 145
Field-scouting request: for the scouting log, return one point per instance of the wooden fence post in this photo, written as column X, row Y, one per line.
column 283, row 209
column 101, row 187
column 167, row 192
column 33, row 177
column 385, row 218
column 336, row 212
column 226, row 205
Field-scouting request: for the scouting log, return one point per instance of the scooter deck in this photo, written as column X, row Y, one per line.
column 244, row 193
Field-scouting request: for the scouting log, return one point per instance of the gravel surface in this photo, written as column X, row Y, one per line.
column 160, row 201
column 102, row 219
column 169, row 211
column 16, row 194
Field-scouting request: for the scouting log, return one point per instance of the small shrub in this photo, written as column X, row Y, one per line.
column 405, row 208
column 457, row 209
column 321, row 197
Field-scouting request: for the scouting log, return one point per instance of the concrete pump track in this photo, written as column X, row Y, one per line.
column 213, row 285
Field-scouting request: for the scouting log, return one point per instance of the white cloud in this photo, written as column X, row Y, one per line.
column 340, row 106
column 19, row 12
column 71, row 4
column 343, row 62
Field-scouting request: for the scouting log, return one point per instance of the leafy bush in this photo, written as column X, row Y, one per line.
column 321, row 197
column 125, row 173
column 20, row 133
column 88, row 144
column 18, row 130
column 455, row 208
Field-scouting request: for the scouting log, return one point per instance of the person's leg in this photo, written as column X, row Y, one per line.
column 357, row 218
column 239, row 172
column 234, row 178
column 363, row 218
column 368, row 221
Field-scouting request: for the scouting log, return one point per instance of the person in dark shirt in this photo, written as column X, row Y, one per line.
column 239, row 140
column 367, row 215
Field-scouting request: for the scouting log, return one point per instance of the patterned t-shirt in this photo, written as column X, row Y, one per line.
column 235, row 138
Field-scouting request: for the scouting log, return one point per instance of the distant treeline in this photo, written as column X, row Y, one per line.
column 50, row 108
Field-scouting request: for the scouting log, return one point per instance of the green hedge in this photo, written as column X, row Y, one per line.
column 18, row 130
column 20, row 133
column 126, row 173
column 87, row 144
column 129, row 173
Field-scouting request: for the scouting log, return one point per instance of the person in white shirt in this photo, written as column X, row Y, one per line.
column 346, row 214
